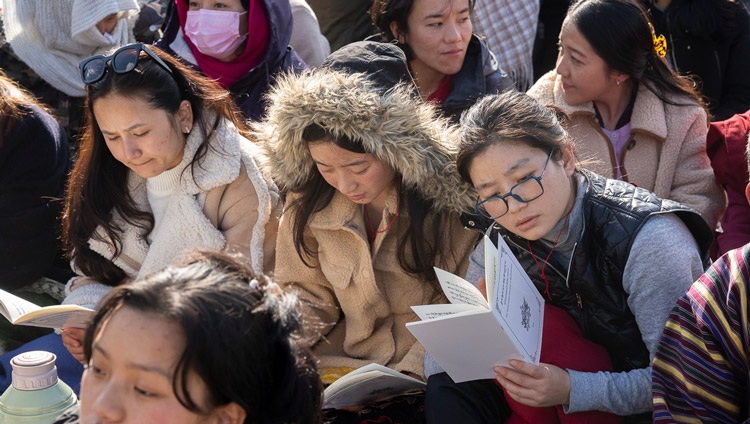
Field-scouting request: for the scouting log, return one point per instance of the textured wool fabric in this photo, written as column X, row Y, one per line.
column 52, row 37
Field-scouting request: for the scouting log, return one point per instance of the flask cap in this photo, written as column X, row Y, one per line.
column 34, row 370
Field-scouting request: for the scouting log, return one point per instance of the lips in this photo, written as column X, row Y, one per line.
column 356, row 198
column 526, row 223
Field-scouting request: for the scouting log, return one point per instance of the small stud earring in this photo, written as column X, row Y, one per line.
column 187, row 130
column 618, row 82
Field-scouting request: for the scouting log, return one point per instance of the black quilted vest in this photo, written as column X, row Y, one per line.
column 592, row 293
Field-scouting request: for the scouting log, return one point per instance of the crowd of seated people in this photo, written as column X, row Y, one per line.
column 271, row 192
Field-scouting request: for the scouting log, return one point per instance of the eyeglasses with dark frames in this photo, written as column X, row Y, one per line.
column 526, row 190
column 122, row 61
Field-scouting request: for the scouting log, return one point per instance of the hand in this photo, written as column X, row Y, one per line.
column 538, row 386
column 482, row 286
column 72, row 338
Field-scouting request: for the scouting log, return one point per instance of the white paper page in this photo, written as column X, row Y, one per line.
column 467, row 346
column 518, row 305
column 460, row 291
column 427, row 312
column 67, row 318
column 490, row 266
column 13, row 307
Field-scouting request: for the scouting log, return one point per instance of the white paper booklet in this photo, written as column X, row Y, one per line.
column 470, row 336
column 371, row 383
column 22, row 312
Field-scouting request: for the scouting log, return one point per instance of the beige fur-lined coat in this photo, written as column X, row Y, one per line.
column 666, row 152
column 356, row 298
column 230, row 204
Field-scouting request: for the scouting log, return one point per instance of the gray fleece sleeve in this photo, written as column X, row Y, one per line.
column 663, row 263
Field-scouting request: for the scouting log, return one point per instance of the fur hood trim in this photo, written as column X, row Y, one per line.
column 394, row 126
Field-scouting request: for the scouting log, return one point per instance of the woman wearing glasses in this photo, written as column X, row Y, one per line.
column 614, row 257
column 165, row 167
column 372, row 206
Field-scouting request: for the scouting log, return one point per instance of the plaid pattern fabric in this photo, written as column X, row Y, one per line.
column 509, row 27
column 701, row 371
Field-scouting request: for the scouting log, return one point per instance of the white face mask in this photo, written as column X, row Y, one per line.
column 215, row 33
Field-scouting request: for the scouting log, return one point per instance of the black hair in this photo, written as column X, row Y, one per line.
column 384, row 12
column 511, row 117
column 98, row 183
column 419, row 246
column 620, row 33
column 241, row 341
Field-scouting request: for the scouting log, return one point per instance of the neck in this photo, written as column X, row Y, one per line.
column 613, row 105
column 427, row 79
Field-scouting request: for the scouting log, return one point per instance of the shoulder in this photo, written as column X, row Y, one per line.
column 543, row 88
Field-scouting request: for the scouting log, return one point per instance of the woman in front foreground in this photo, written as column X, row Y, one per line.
column 205, row 341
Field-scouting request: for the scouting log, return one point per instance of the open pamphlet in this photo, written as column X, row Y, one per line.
column 368, row 384
column 469, row 336
column 22, row 312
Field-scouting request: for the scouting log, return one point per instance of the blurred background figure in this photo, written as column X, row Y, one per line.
column 725, row 146
column 307, row 39
column 242, row 44
column 510, row 28
column 147, row 27
column 47, row 40
column 343, row 22
column 34, row 165
column 451, row 66
column 709, row 39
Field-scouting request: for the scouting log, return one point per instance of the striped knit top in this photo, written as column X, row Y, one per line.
column 701, row 371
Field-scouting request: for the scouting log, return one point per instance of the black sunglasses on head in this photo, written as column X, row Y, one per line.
column 122, row 61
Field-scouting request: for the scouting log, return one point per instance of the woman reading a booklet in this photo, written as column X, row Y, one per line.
column 614, row 257
column 372, row 205
column 165, row 166
column 202, row 341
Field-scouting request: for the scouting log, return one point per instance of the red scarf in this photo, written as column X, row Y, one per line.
column 227, row 73
column 443, row 91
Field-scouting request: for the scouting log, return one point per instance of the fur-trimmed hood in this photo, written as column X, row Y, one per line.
column 393, row 125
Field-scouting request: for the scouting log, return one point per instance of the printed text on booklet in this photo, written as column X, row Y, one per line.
column 470, row 336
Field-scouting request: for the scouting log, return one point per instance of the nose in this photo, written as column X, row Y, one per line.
column 107, row 405
column 452, row 33
column 346, row 184
column 130, row 149
column 514, row 205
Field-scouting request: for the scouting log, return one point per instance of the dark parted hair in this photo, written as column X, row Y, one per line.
column 510, row 117
column 419, row 245
column 15, row 102
column 241, row 339
column 620, row 33
column 98, row 183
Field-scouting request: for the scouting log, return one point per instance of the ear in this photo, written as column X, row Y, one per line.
column 747, row 192
column 397, row 34
column 185, row 116
column 231, row 413
column 569, row 159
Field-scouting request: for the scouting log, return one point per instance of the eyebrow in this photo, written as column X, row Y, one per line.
column 130, row 128
column 508, row 172
column 142, row 367
column 440, row 14
column 355, row 163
